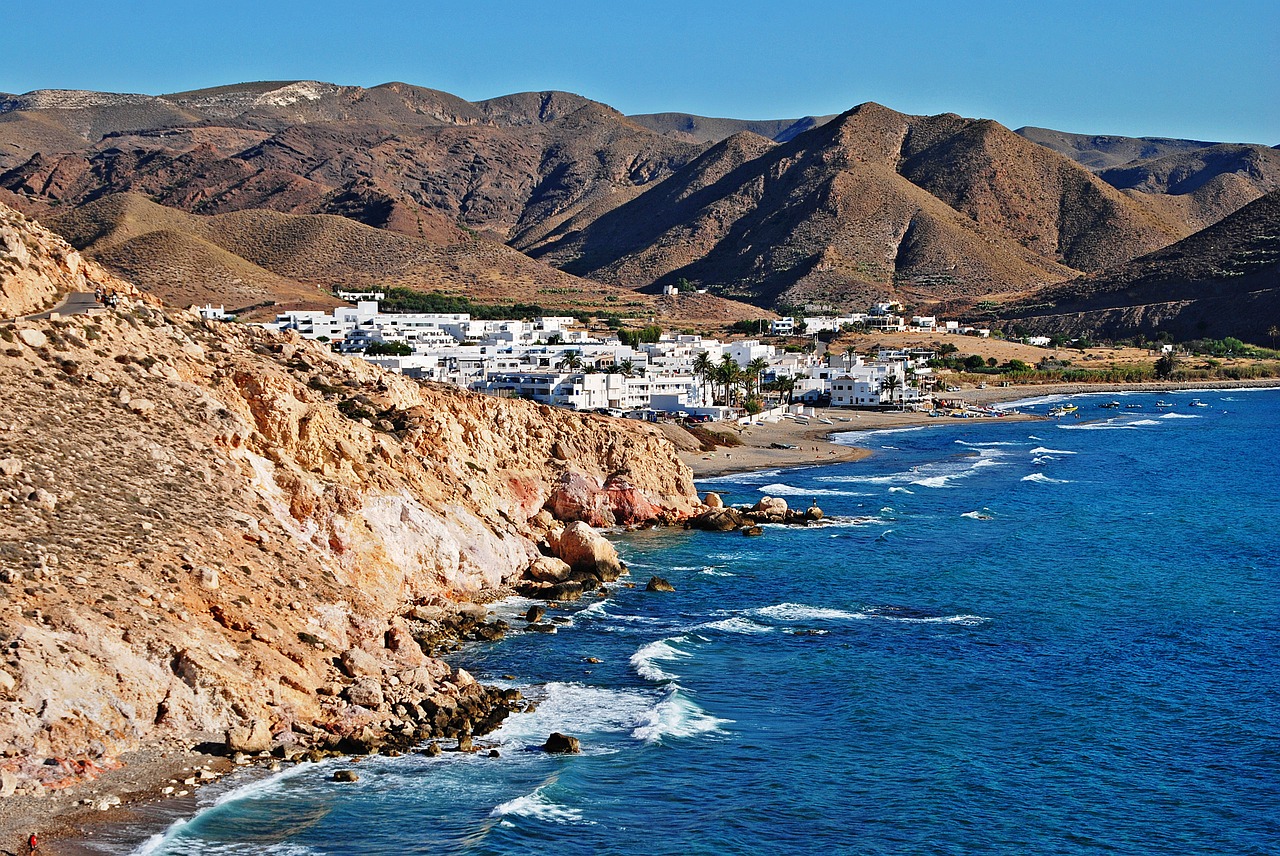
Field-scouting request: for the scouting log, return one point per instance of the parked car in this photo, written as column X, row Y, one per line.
column 697, row 419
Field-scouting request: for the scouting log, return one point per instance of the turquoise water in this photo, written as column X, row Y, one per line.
column 1051, row 637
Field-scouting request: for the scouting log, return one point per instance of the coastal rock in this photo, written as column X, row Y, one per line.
column 718, row 520
column 366, row 692
column 771, row 508
column 561, row 744
column 813, row 512
column 548, row 569
column 534, row 614
column 250, row 737
column 345, row 776
column 584, row 549
column 659, row 584
column 713, row 500
column 616, row 502
column 752, row 531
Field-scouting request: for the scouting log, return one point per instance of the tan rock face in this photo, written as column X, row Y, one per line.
column 196, row 566
column 584, row 549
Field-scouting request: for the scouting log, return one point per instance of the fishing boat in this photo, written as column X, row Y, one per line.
column 1063, row 410
column 1195, row 402
column 1110, row 405
column 1133, row 407
column 1163, row 403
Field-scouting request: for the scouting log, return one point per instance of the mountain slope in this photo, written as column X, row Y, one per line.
column 705, row 129
column 1221, row 281
column 1098, row 151
column 872, row 203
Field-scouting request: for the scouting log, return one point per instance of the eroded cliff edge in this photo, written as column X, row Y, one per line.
column 211, row 529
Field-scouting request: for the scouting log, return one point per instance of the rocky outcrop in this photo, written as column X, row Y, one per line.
column 616, row 502
column 275, row 548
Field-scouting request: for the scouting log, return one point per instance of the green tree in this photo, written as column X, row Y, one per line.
column 702, row 368
column 974, row 362
column 571, row 362
column 891, row 384
column 754, row 369
column 388, row 349
column 1166, row 365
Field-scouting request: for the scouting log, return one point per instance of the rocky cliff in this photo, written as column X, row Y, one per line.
column 211, row 531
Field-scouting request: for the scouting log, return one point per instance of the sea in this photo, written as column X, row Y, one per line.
column 1048, row 637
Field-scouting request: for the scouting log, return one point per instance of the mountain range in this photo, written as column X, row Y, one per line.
column 529, row 196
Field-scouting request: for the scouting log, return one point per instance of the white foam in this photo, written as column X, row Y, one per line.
column 743, row 626
column 1147, row 421
column 716, row 572
column 595, row 610
column 860, row 438
column 780, row 489
column 1180, row 416
column 1041, row 450
column 676, row 716
column 573, row 708
column 991, row 444
column 1041, row 478
column 645, row 661
column 537, row 806
column 803, row 612
column 976, row 515
column 842, row 522
column 901, row 490
column 1109, row 425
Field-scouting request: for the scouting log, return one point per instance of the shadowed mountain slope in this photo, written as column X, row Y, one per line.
column 1221, row 281
column 705, row 129
column 872, row 203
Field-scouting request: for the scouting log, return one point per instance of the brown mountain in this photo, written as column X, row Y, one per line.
column 274, row 261
column 394, row 156
column 1100, row 151
column 872, row 203
column 705, row 129
column 1222, row 281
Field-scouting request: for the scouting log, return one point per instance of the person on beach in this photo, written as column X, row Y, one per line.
column 32, row 844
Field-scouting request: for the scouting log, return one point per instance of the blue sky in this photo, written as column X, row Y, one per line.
column 1172, row 68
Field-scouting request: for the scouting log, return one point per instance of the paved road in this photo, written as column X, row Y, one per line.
column 75, row 303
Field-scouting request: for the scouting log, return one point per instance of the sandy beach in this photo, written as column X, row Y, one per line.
column 813, row 445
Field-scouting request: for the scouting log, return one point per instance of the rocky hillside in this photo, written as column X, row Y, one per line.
column 870, row 204
column 213, row 532
column 1221, row 281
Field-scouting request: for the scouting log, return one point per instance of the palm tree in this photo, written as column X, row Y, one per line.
column 755, row 368
column 728, row 374
column 890, row 385
column 849, row 351
column 702, row 368
column 570, row 362
column 627, row 368
column 1273, row 331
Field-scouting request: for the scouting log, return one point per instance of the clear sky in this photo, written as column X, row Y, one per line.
column 1176, row 68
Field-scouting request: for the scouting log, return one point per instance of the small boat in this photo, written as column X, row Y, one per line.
column 1133, row 407
column 1163, row 403
column 1195, row 402
column 1063, row 410
column 1110, row 405
column 825, row 421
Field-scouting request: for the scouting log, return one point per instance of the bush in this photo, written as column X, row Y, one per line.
column 388, row 349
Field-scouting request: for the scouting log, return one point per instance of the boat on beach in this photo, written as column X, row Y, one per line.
column 1063, row 410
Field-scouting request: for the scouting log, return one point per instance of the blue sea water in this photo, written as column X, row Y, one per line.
column 1010, row 638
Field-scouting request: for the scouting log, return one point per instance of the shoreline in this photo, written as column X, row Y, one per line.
column 814, row 446
column 70, row 827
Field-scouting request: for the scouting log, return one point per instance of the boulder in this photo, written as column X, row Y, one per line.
column 561, row 744
column 548, row 569
column 718, row 520
column 813, row 512
column 33, row 338
column 345, row 776
column 250, row 737
column 713, row 500
column 10, row 466
column 771, row 508
column 366, row 692
column 752, row 531
column 534, row 614
column 584, row 549
column 659, row 584
column 357, row 662
column 44, row 499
